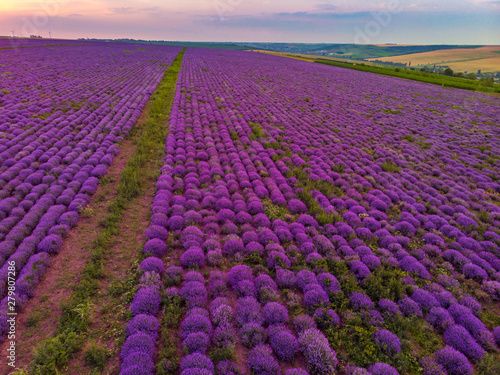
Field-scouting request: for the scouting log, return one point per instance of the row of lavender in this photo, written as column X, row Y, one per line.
column 405, row 176
column 63, row 114
column 16, row 43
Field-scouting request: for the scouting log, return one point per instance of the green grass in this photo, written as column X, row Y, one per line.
column 53, row 353
column 95, row 357
column 437, row 79
column 390, row 167
column 168, row 359
column 257, row 132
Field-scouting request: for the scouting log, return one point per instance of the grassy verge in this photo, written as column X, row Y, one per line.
column 437, row 79
column 53, row 354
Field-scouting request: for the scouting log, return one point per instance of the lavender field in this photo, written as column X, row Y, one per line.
column 304, row 218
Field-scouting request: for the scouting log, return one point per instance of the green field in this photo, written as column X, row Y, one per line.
column 437, row 79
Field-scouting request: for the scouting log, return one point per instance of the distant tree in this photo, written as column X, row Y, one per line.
column 471, row 76
column 448, row 72
column 460, row 75
column 488, row 82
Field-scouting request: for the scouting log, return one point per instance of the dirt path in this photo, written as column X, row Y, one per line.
column 111, row 313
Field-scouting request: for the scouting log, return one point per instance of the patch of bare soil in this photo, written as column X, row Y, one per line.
column 111, row 313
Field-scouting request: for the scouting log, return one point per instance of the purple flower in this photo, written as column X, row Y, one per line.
column 305, row 277
column 138, row 343
column 147, row 324
column 410, row 308
column 264, row 280
column 320, row 357
column 222, row 315
column 275, row 313
column 176, row 223
column 239, row 273
column 473, row 271
column 155, row 247
column 197, row 342
column 156, row 231
column 303, row 322
column 217, row 288
column 387, row 341
column 459, row 338
column 261, row 361
column 173, row 275
column 316, row 297
column 382, row 369
column 440, row 319
column 284, row 345
column 50, row 244
column 261, row 220
column 232, row 247
column 296, row 371
column 372, row 317
column 195, row 294
column 472, row 304
column 453, row 361
column 328, row 282
column 252, row 334
column 431, row 367
column 496, row 335
column 152, row 264
column 245, row 288
column 137, row 363
column 218, row 302
column 326, row 318
column 224, row 336
column 228, row 368
column 359, row 269
column 371, row 261
column 296, row 206
column 193, row 257
column 248, row 311
column 463, row 316
column 214, row 258
column 195, row 323
column 194, row 276
column 360, row 301
column 424, row 299
column 412, row 265
column 146, row 301
column 277, row 259
column 492, row 288
column 323, row 245
column 197, row 361
column 388, row 308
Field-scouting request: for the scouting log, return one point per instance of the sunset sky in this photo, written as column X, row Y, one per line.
column 329, row 21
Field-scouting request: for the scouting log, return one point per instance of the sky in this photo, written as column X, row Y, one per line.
column 302, row 21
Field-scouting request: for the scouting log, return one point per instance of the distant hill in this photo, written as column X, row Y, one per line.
column 217, row 45
column 349, row 51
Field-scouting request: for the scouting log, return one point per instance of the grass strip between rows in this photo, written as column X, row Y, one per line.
column 53, row 354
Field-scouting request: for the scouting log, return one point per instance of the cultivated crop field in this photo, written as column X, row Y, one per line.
column 470, row 60
column 213, row 212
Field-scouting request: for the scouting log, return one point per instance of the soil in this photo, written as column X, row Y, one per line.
column 119, row 260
